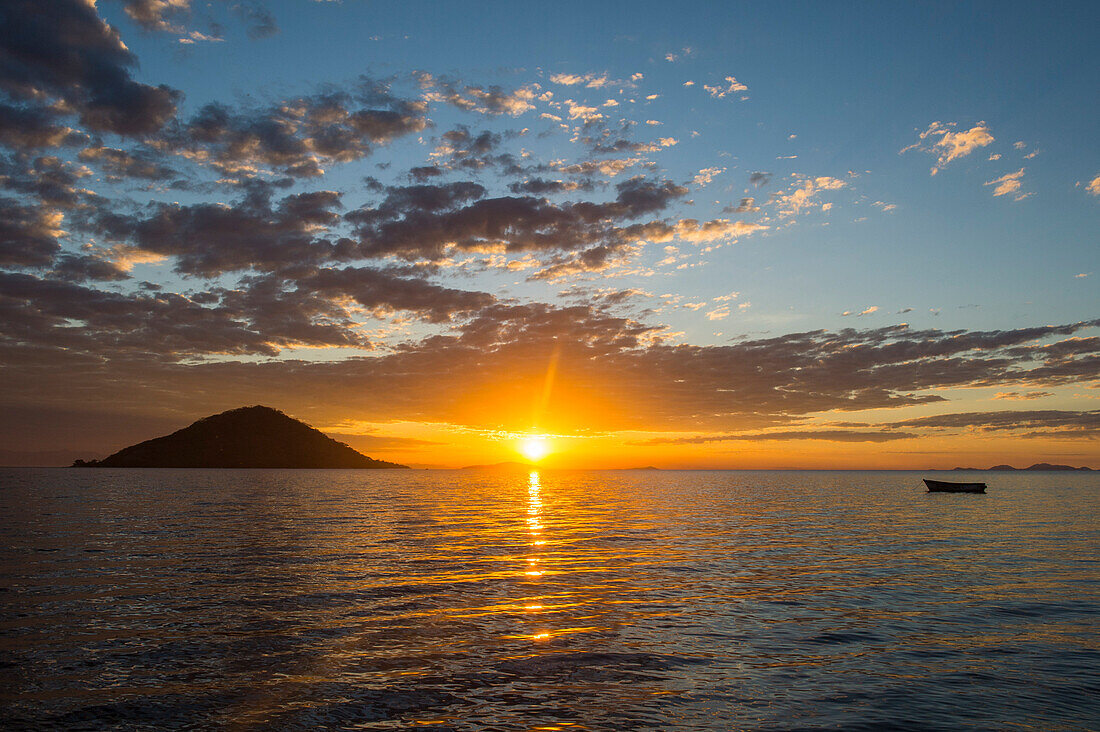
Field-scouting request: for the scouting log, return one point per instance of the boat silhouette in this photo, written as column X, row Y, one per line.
column 943, row 486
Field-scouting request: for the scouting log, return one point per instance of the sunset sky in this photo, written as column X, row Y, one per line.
column 819, row 235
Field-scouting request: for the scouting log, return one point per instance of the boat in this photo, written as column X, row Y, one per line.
column 943, row 486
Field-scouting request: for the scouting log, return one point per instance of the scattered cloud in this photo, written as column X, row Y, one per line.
column 804, row 192
column 1022, row 395
column 590, row 81
column 730, row 86
column 706, row 175
column 1008, row 183
column 947, row 145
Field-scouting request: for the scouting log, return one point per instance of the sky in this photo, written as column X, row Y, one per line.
column 703, row 235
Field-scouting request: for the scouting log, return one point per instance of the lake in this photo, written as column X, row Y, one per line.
column 556, row 600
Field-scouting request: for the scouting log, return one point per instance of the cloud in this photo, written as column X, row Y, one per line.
column 297, row 137
column 1008, row 183
column 747, row 205
column 828, row 435
column 155, row 15
column 582, row 112
column 1094, row 186
column 1035, row 423
column 720, row 91
column 760, row 179
column 706, row 175
column 942, row 141
column 426, row 221
column 119, row 164
column 1022, row 396
column 70, row 54
column 49, row 178
column 718, row 313
column 209, row 239
column 591, row 81
column 713, row 230
column 28, row 234
column 30, row 128
column 490, row 100
column 802, row 194
column 610, row 167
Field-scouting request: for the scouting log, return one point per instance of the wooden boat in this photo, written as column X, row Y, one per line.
column 943, row 486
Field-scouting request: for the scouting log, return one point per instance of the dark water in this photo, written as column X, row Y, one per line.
column 562, row 601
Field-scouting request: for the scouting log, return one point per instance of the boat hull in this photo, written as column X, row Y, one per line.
column 943, row 486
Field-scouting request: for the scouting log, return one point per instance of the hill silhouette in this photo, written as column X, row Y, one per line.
column 1038, row 467
column 248, row 437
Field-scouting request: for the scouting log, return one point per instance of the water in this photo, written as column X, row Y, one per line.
column 450, row 600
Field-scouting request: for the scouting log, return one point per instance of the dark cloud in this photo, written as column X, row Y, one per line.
column 419, row 222
column 208, row 239
column 300, row 136
column 760, row 178
column 119, row 164
column 617, row 366
column 377, row 290
column 30, row 128
column 829, row 435
column 69, row 53
column 86, row 267
column 28, row 234
column 1038, row 422
column 543, row 187
column 460, row 149
column 747, row 205
column 259, row 21
column 423, row 173
column 49, row 178
column 66, row 315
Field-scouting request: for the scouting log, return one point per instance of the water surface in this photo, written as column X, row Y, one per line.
column 560, row 600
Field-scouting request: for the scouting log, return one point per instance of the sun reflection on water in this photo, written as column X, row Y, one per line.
column 534, row 528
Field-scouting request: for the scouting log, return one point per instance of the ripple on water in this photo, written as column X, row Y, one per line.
column 567, row 600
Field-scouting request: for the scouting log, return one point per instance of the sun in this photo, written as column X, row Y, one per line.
column 534, row 447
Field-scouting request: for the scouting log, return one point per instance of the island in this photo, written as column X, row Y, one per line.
column 1038, row 467
column 247, row 437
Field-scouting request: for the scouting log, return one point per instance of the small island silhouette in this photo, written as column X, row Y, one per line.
column 247, row 437
column 1038, row 467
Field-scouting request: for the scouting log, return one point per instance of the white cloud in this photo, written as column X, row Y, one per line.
column 714, row 230
column 719, row 313
column 732, row 85
column 706, row 175
column 580, row 111
column 1008, row 183
column 1094, row 186
column 803, row 194
column 941, row 140
column 591, row 81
